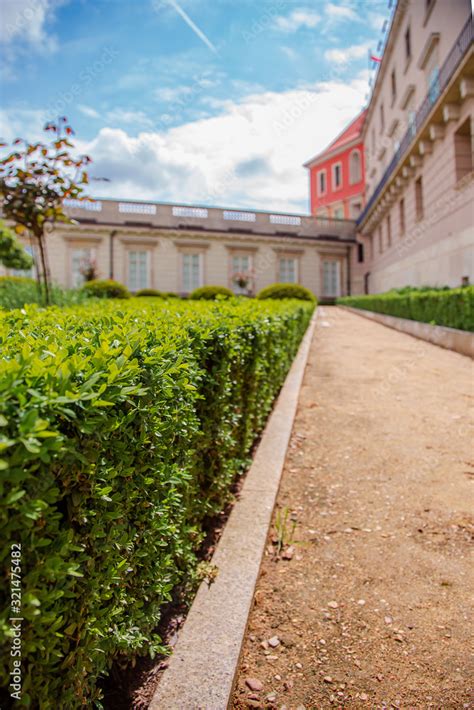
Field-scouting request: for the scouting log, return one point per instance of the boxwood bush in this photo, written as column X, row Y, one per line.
column 106, row 288
column 210, row 293
column 286, row 291
column 123, row 425
column 453, row 308
column 145, row 292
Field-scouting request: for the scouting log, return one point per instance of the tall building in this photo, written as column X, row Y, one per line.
column 418, row 222
column 336, row 175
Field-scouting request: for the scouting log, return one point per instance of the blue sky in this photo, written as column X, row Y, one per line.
column 194, row 101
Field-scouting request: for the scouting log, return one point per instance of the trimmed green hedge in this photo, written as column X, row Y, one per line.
column 210, row 293
column 149, row 292
column 279, row 291
column 106, row 288
column 123, row 427
column 453, row 308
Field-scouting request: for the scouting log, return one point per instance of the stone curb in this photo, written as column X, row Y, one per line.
column 202, row 669
column 461, row 341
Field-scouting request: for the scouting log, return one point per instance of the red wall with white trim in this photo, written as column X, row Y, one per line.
column 347, row 192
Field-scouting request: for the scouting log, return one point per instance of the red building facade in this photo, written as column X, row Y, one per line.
column 337, row 175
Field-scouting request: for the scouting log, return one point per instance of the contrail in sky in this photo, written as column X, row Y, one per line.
column 193, row 25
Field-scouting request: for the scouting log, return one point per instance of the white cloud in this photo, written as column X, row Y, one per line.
column 376, row 20
column 88, row 111
column 173, row 94
column 120, row 116
column 339, row 12
column 296, row 20
column 26, row 20
column 22, row 123
column 23, row 30
column 248, row 155
column 347, row 54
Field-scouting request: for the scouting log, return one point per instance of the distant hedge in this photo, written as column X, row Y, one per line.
column 106, row 288
column 210, row 293
column 453, row 308
column 123, row 425
column 284, row 290
column 149, row 292
column 16, row 291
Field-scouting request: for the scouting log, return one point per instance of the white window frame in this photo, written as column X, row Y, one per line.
column 239, row 290
column 296, row 269
column 77, row 282
column 189, row 287
column 354, row 180
column 319, row 191
column 334, row 291
column 333, row 176
column 139, row 286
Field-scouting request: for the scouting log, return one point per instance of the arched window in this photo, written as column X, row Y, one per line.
column 355, row 167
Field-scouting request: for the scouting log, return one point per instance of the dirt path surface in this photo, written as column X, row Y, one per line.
column 373, row 608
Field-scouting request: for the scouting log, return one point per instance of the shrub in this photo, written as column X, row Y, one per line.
column 453, row 308
column 10, row 281
column 12, row 252
column 18, row 291
column 106, row 288
column 15, row 291
column 150, row 292
column 210, row 293
column 170, row 294
column 122, row 430
column 287, row 291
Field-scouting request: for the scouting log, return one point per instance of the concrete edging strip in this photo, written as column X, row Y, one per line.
column 202, row 669
column 461, row 341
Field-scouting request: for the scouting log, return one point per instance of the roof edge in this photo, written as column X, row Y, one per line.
column 327, row 151
column 325, row 155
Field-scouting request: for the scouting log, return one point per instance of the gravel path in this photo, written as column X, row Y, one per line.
column 372, row 610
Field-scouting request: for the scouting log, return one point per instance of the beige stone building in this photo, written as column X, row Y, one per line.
column 178, row 248
column 418, row 223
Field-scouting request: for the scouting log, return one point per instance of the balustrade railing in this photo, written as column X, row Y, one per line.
column 164, row 215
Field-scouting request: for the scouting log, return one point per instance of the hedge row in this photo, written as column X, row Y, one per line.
column 453, row 308
column 123, row 425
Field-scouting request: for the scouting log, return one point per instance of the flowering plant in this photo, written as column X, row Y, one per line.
column 88, row 270
column 242, row 279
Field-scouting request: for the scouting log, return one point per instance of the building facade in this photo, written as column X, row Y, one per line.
column 336, row 176
column 178, row 248
column 417, row 226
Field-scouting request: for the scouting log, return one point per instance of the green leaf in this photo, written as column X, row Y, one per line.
column 14, row 496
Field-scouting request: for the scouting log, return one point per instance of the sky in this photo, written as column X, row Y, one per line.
column 211, row 102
